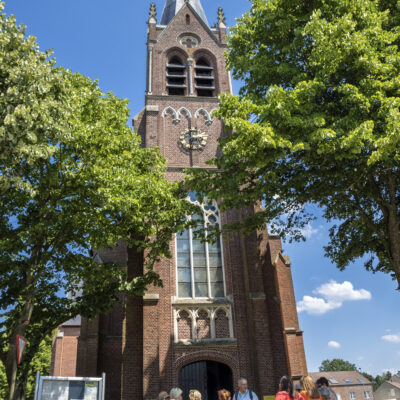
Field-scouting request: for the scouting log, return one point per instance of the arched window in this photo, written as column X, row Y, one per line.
column 204, row 78
column 176, row 77
column 200, row 265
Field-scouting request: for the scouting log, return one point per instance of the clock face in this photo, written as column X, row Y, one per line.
column 193, row 139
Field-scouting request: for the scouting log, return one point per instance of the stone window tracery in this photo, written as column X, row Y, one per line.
column 203, row 323
column 200, row 272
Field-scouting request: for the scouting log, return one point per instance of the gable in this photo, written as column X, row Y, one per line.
column 177, row 24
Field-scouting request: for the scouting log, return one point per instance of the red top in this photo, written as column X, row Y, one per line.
column 283, row 396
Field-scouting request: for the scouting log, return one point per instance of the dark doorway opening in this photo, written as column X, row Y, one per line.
column 207, row 377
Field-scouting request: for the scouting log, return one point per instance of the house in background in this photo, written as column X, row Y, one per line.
column 389, row 390
column 65, row 347
column 348, row 385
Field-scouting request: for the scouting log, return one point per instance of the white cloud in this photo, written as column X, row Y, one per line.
column 315, row 305
column 333, row 295
column 334, row 345
column 341, row 292
column 391, row 338
column 308, row 231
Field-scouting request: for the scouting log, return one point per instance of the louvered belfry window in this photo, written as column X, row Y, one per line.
column 204, row 78
column 176, row 77
column 200, row 265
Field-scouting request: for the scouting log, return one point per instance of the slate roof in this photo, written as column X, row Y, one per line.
column 172, row 7
column 342, row 378
column 393, row 383
column 74, row 322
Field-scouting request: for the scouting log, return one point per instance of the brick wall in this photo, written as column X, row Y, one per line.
column 64, row 351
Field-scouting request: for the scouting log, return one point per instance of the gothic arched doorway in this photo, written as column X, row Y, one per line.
column 207, row 377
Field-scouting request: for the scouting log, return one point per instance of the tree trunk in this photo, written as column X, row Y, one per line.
column 394, row 240
column 393, row 229
column 20, row 393
column 11, row 363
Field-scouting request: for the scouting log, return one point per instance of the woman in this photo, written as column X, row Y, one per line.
column 194, row 395
column 285, row 389
column 224, row 395
column 310, row 391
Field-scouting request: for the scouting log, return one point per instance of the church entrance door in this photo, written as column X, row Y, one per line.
column 207, row 377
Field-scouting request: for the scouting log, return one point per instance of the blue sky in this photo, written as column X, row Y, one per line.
column 106, row 40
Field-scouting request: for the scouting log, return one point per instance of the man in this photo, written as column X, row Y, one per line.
column 163, row 396
column 175, row 394
column 323, row 387
column 244, row 393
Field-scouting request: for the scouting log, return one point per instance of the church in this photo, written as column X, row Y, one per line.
column 227, row 309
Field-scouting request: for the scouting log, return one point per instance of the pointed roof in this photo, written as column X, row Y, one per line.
column 172, row 7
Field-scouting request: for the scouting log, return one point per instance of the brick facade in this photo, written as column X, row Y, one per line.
column 64, row 350
column 254, row 330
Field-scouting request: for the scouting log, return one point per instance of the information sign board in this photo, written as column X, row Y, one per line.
column 59, row 388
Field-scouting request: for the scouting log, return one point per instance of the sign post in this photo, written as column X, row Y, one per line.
column 21, row 345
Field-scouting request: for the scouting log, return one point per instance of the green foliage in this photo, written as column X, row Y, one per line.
column 40, row 362
column 3, row 382
column 317, row 122
column 379, row 379
column 337, row 364
column 73, row 177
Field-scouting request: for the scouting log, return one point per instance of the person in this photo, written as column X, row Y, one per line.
column 297, row 390
column 323, row 387
column 244, row 393
column 194, row 395
column 163, row 396
column 175, row 394
column 309, row 390
column 285, row 389
column 224, row 395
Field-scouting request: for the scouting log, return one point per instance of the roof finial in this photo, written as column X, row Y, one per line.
column 221, row 17
column 153, row 13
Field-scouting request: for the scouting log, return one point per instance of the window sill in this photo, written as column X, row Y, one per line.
column 206, row 342
column 178, row 301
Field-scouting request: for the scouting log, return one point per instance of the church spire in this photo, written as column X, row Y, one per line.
column 173, row 6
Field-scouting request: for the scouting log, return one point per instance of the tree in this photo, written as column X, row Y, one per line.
column 40, row 362
column 337, row 364
column 379, row 379
column 73, row 178
column 317, row 122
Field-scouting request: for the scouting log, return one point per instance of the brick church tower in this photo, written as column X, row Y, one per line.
column 226, row 309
